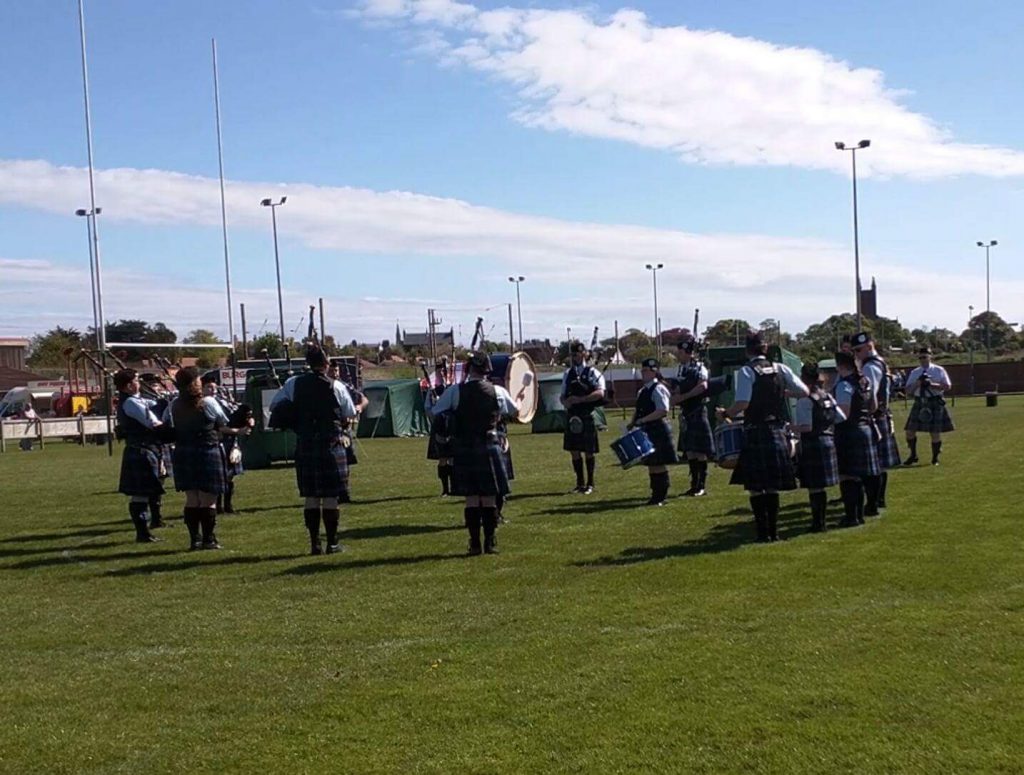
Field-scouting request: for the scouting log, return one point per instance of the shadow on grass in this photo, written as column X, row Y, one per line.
column 387, row 531
column 371, row 501
column 582, row 506
column 327, row 566
column 18, row 552
column 77, row 559
column 193, row 562
column 27, row 539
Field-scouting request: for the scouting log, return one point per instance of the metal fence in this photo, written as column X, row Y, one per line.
column 77, row 428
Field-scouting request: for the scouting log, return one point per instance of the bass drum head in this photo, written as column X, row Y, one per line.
column 520, row 379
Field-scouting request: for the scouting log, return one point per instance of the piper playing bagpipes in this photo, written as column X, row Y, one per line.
column 696, row 440
column 583, row 391
column 439, row 447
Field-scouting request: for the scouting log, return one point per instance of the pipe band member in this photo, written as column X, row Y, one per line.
column 926, row 384
column 440, row 447
column 817, row 465
column 142, row 470
column 224, row 502
column 583, row 390
column 152, row 387
column 351, row 429
column 476, row 407
column 876, row 372
column 320, row 408
column 696, row 440
column 200, row 462
column 855, row 444
column 765, row 467
column 651, row 415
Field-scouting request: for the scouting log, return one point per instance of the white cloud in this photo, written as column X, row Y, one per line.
column 579, row 273
column 707, row 96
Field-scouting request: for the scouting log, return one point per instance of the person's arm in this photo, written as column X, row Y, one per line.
column 348, row 409
column 944, row 382
column 803, row 419
column 844, row 398
column 286, row 393
column 742, row 394
column 794, row 387
column 699, row 389
column 506, row 405
column 137, row 410
column 662, row 402
column 447, row 402
column 913, row 385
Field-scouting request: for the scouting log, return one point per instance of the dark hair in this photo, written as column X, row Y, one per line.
column 755, row 344
column 316, row 358
column 123, row 378
column 846, row 359
column 810, row 374
column 188, row 391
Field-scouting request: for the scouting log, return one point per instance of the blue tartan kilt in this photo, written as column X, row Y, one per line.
column 856, row 450
column 660, row 434
column 764, row 462
column 234, row 469
column 140, row 470
column 885, row 442
column 200, row 467
column 440, row 444
column 586, row 441
column 479, row 469
column 929, row 415
column 321, row 466
column 817, row 465
column 695, row 435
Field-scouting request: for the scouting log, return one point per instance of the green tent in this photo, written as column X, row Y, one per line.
column 395, row 409
column 729, row 360
column 550, row 416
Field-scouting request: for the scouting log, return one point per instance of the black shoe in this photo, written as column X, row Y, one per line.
column 315, row 548
column 147, row 539
column 211, row 543
column 578, row 489
column 935, row 462
column 698, row 494
column 335, row 548
column 871, row 513
column 474, row 549
column 912, row 460
column 588, row 490
column 655, row 502
column 157, row 522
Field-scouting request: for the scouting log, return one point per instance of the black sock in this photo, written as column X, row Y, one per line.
column 155, row 515
column 228, row 507
column 847, row 488
column 654, row 485
column 192, row 524
column 473, row 518
column 912, row 443
column 872, row 485
column 442, row 474
column 590, row 471
column 771, row 515
column 760, row 523
column 489, row 518
column 819, row 508
column 577, row 466
column 499, row 503
column 883, row 485
column 694, row 475
column 208, row 522
column 936, row 450
column 663, row 485
column 702, row 474
column 331, row 519
column 137, row 511
column 312, row 519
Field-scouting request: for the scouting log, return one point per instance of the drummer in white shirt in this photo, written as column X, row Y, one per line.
column 927, row 384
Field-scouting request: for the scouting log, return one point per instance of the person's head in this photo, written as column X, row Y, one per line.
column 649, row 369
column 334, row 370
column 755, row 345
column 862, row 345
column 479, row 363
column 127, row 381
column 316, row 358
column 846, row 364
column 845, row 345
column 189, row 386
column 924, row 357
column 685, row 350
column 578, row 353
column 209, row 383
column 811, row 376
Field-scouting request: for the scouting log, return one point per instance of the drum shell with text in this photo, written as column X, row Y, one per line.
column 728, row 444
column 516, row 373
column 632, row 448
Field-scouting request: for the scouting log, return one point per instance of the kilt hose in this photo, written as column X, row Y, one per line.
column 200, row 467
column 479, row 469
column 321, row 466
column 695, row 434
column 929, row 415
column 585, row 440
column 764, row 462
column 817, row 465
column 140, row 470
column 856, row 450
column 660, row 434
column 885, row 441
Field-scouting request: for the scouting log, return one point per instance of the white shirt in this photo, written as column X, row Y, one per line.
column 593, row 375
column 844, row 392
column 211, row 408
column 287, row 391
column 702, row 371
column 449, row 400
column 660, row 395
column 804, row 414
column 938, row 376
column 141, row 410
column 745, row 381
column 874, row 373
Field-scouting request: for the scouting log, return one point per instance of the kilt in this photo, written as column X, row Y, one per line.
column 888, row 450
column 939, row 422
column 660, row 434
column 764, row 462
column 586, row 440
column 436, row 448
column 695, row 436
column 200, row 467
column 321, row 466
column 167, row 456
column 479, row 469
column 350, row 448
column 233, row 469
column 140, row 470
column 856, row 450
column 817, row 465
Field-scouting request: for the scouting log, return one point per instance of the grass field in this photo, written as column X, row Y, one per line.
column 606, row 637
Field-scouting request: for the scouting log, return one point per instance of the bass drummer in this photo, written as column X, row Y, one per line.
column 582, row 392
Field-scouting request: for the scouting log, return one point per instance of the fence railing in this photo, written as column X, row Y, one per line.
column 42, row 429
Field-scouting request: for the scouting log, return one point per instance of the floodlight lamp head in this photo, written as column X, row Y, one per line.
column 86, row 212
column 283, row 200
column 511, row 279
column 98, row 210
column 265, row 203
column 521, row 278
column 981, row 244
column 840, row 146
column 864, row 144
column 993, row 243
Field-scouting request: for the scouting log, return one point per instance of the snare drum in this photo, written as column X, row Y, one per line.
column 516, row 373
column 632, row 448
column 728, row 444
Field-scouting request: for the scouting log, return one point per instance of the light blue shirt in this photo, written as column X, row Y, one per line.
column 660, row 396
column 141, row 410
column 449, row 401
column 287, row 391
column 938, row 375
column 874, row 373
column 804, row 414
column 211, row 408
column 745, row 381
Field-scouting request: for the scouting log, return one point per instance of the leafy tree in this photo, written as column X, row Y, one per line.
column 269, row 342
column 727, row 333
column 161, row 334
column 991, row 330
column 205, row 358
column 50, row 349
column 132, row 331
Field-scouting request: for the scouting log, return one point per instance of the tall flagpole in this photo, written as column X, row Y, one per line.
column 101, row 333
column 224, row 219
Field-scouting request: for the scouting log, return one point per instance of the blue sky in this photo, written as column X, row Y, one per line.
column 430, row 148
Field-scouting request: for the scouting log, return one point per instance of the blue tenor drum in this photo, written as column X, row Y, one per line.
column 632, row 448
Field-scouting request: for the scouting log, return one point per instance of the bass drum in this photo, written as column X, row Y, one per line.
column 516, row 373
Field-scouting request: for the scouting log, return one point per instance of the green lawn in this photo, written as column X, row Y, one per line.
column 606, row 637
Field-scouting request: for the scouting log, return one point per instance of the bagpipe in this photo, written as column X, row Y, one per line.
column 441, row 424
column 682, row 385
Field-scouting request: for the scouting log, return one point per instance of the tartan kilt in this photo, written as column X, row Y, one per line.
column 764, row 462
column 436, row 448
column 817, row 465
column 167, row 456
column 140, row 470
column 885, row 441
column 321, row 466
column 940, row 420
column 695, row 435
column 479, row 469
column 233, row 469
column 586, row 440
column 856, row 450
column 506, row 459
column 660, row 434
column 200, row 467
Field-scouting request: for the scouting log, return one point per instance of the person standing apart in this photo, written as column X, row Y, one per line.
column 142, row 460
column 651, row 416
column 582, row 392
column 926, row 384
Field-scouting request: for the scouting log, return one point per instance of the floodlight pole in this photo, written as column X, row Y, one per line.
column 840, row 146
column 519, row 307
column 277, row 259
column 657, row 329
column 988, row 298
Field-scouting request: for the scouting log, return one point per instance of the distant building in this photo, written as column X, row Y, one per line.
column 441, row 339
column 869, row 301
column 539, row 350
column 13, row 352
